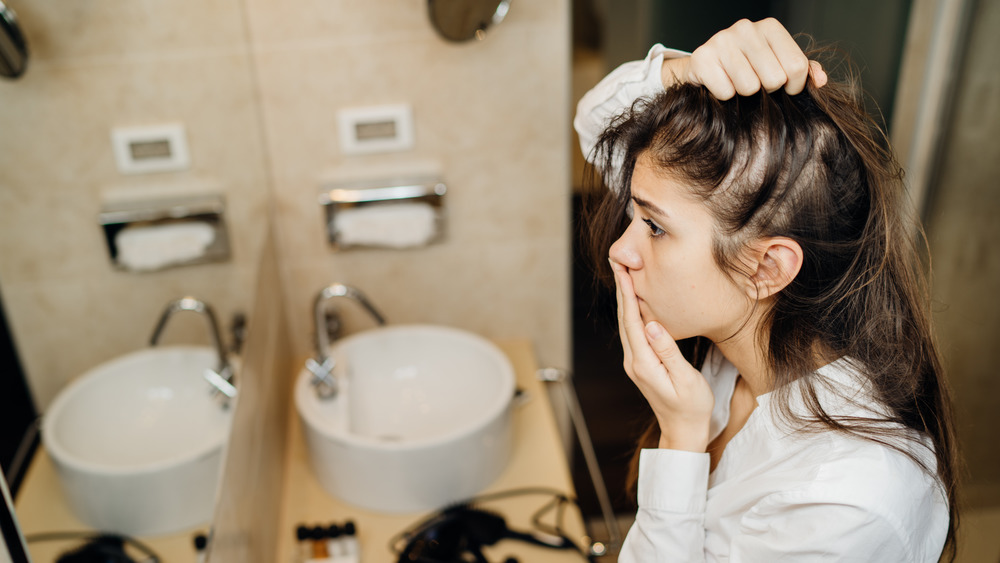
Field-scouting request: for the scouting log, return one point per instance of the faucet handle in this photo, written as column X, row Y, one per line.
column 221, row 382
column 323, row 380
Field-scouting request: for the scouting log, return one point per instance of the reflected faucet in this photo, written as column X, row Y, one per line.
column 221, row 378
column 322, row 365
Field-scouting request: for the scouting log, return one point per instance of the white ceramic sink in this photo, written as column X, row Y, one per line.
column 138, row 441
column 422, row 418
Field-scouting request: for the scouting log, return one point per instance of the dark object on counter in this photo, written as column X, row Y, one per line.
column 101, row 549
column 459, row 533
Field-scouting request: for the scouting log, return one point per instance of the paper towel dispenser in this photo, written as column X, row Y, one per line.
column 154, row 234
column 392, row 213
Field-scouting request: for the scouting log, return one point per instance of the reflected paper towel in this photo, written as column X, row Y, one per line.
column 393, row 225
column 157, row 246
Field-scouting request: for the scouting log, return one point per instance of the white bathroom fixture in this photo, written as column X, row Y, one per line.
column 421, row 417
column 371, row 129
column 156, row 148
column 399, row 213
column 137, row 441
column 155, row 233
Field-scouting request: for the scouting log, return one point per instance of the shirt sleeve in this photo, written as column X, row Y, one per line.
column 798, row 525
column 672, row 493
column 616, row 93
column 795, row 527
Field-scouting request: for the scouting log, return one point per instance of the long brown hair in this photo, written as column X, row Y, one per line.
column 816, row 168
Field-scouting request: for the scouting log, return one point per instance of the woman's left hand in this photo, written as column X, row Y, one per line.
column 679, row 395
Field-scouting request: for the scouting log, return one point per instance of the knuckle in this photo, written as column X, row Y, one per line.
column 798, row 64
column 666, row 351
column 748, row 88
column 742, row 25
column 772, row 82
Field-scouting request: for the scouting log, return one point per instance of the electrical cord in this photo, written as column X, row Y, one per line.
column 99, row 544
column 459, row 531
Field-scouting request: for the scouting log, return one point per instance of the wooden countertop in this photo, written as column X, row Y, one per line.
column 537, row 461
column 42, row 508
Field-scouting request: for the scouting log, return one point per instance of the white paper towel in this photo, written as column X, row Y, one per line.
column 393, row 225
column 156, row 246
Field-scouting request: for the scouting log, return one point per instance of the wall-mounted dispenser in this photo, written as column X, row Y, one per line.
column 395, row 213
column 155, row 234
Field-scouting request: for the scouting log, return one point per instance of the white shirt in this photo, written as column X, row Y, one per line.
column 777, row 494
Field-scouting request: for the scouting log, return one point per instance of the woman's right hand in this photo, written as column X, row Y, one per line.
column 744, row 58
column 678, row 394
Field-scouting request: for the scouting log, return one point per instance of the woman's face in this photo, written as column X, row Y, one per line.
column 667, row 249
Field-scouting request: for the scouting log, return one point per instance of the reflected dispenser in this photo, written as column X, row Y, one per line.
column 394, row 213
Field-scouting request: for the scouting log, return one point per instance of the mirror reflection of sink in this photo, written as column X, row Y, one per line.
column 421, row 419
column 137, row 441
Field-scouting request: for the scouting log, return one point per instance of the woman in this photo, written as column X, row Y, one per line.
column 757, row 212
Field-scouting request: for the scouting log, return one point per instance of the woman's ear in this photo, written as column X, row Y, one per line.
column 777, row 262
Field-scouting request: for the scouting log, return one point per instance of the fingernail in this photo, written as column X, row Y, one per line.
column 654, row 330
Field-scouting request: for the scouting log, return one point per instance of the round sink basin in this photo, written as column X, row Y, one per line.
column 421, row 419
column 137, row 441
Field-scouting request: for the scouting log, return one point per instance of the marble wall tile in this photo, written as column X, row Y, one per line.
column 64, row 30
column 97, row 65
column 492, row 116
column 308, row 22
column 259, row 103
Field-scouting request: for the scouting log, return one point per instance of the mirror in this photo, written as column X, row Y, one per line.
column 462, row 20
column 12, row 547
column 13, row 48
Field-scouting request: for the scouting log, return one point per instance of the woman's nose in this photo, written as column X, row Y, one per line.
column 623, row 252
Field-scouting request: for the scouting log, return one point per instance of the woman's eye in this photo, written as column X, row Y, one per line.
column 654, row 230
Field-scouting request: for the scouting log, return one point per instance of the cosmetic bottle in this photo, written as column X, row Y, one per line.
column 302, row 547
column 200, row 543
column 349, row 537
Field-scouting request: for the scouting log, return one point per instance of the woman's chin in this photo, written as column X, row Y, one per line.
column 674, row 332
column 647, row 317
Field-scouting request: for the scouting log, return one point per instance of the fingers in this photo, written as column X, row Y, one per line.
column 665, row 347
column 641, row 356
column 786, row 53
column 678, row 394
column 750, row 56
column 754, row 63
column 707, row 69
column 817, row 74
column 629, row 319
column 622, row 334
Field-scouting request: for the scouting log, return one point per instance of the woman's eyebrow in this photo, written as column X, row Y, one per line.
column 649, row 206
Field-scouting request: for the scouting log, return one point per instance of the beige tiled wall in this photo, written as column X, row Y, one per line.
column 257, row 84
column 492, row 117
column 97, row 64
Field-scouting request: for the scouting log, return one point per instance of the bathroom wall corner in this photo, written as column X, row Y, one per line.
column 247, row 513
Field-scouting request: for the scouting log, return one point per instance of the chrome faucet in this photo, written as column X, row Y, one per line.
column 322, row 365
column 221, row 378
